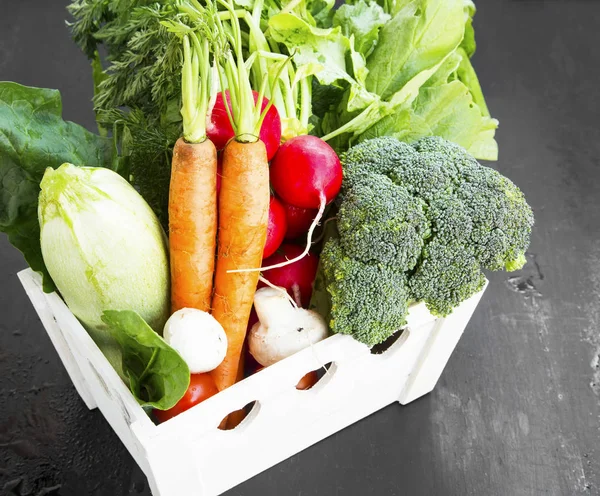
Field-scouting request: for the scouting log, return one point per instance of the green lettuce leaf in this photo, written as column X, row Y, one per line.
column 33, row 136
column 445, row 110
column 467, row 75
column 363, row 21
column 324, row 54
column 158, row 376
column 323, row 49
column 468, row 43
column 322, row 11
column 413, row 45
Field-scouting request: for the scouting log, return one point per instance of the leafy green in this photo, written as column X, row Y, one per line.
column 468, row 43
column 466, row 74
column 98, row 75
column 363, row 21
column 446, row 110
column 142, row 74
column 33, row 136
column 158, row 376
column 413, row 44
column 144, row 60
column 322, row 49
column 418, row 81
column 322, row 11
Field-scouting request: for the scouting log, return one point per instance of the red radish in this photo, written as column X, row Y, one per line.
column 306, row 172
column 304, row 169
column 219, row 129
column 298, row 220
column 276, row 227
column 297, row 277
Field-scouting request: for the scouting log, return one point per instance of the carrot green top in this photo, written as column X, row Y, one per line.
column 191, row 27
column 245, row 113
column 195, row 87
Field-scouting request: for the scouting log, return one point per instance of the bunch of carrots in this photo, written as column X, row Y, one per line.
column 218, row 234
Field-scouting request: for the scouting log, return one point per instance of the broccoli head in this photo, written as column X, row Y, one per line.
column 382, row 222
column 368, row 301
column 427, row 217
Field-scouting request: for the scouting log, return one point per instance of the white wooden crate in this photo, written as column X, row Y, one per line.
column 189, row 456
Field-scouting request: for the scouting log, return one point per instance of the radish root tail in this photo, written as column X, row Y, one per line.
column 313, row 226
column 278, row 288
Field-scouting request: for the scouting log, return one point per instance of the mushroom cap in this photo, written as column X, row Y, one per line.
column 198, row 338
column 282, row 330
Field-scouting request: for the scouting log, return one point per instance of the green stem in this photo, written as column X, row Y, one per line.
column 350, row 125
column 305, row 102
column 195, row 89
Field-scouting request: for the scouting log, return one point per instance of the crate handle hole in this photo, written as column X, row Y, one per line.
column 382, row 348
column 320, row 376
column 235, row 419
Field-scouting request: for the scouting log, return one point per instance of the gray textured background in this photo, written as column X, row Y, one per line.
column 517, row 410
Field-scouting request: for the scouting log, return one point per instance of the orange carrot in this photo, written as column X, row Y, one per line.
column 192, row 224
column 243, row 214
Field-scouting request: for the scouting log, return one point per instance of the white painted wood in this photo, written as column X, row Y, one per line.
column 189, row 455
column 439, row 347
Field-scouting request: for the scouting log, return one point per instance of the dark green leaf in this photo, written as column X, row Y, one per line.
column 411, row 46
column 33, row 136
column 158, row 376
column 98, row 76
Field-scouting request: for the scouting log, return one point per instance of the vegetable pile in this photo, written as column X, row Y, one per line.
column 264, row 174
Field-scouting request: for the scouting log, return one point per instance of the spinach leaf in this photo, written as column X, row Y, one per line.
column 158, row 376
column 33, row 136
column 413, row 44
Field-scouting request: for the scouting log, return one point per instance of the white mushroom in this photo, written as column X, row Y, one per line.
column 198, row 338
column 282, row 329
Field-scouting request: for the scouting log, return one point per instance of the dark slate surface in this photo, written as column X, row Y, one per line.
column 516, row 411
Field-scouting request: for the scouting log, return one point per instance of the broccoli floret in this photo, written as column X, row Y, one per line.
column 448, row 274
column 368, row 301
column 502, row 220
column 382, row 222
column 375, row 156
column 450, row 219
column 427, row 217
column 428, row 176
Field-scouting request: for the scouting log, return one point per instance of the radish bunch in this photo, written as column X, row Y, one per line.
column 306, row 175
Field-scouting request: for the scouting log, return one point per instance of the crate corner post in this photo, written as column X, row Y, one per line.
column 172, row 468
column 440, row 344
